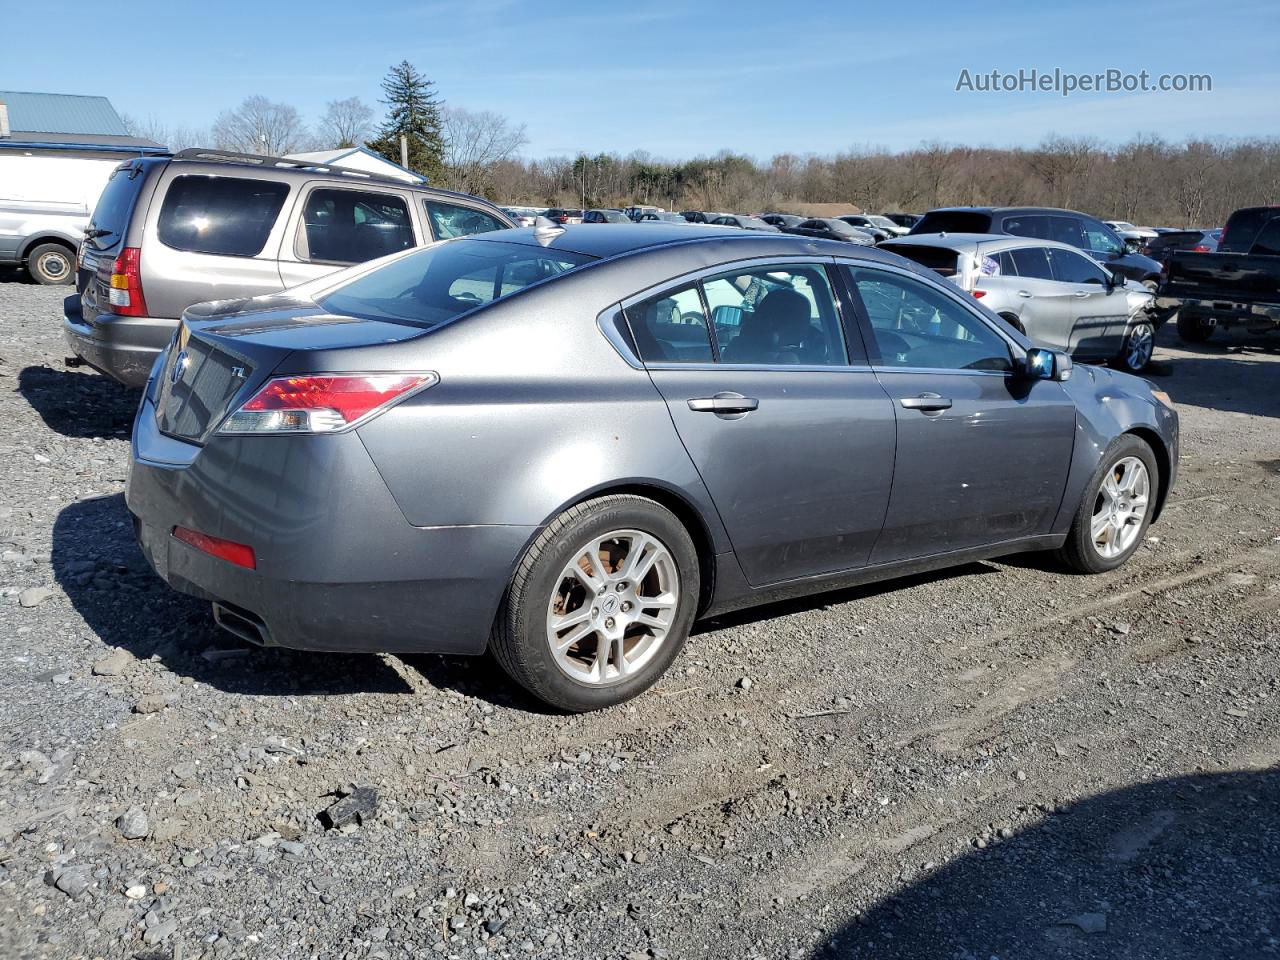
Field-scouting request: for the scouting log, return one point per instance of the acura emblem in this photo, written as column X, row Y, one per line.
column 179, row 366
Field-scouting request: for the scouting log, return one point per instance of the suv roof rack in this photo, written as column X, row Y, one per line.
column 284, row 163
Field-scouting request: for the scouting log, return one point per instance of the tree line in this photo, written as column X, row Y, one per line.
column 1147, row 180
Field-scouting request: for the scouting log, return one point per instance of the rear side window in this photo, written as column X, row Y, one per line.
column 953, row 221
column 1033, row 226
column 351, row 226
column 231, row 216
column 451, row 220
column 671, row 327
column 1031, row 262
column 115, row 206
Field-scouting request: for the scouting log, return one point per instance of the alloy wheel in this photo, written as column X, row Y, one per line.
column 612, row 607
column 1120, row 507
column 1139, row 346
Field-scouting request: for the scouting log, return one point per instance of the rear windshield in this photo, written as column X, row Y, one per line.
column 1243, row 227
column 231, row 216
column 115, row 206
column 441, row 282
column 953, row 221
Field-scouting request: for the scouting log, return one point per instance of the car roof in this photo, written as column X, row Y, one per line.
column 972, row 242
column 617, row 239
column 1006, row 210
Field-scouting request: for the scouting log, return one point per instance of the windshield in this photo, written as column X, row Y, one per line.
column 438, row 283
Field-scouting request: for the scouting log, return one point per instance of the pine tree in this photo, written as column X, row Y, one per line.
column 413, row 111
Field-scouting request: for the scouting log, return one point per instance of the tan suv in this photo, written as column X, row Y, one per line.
column 210, row 225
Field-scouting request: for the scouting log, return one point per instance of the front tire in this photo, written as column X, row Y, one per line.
column 600, row 604
column 1115, row 509
column 51, row 264
column 1139, row 345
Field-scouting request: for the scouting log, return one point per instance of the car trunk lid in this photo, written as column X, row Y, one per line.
column 223, row 353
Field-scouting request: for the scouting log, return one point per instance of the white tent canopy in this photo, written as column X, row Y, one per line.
column 358, row 158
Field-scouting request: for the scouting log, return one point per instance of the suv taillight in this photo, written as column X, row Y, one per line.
column 125, row 288
column 322, row 403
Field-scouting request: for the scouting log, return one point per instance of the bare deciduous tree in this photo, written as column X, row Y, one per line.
column 474, row 143
column 346, row 123
column 260, row 126
column 176, row 138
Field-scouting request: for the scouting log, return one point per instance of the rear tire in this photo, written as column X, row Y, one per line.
column 596, row 671
column 1082, row 551
column 51, row 264
column 1194, row 329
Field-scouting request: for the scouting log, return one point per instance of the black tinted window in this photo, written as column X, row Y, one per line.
column 1100, row 238
column 222, row 215
column 351, row 226
column 451, row 220
column 1031, row 226
column 953, row 221
column 1071, row 267
column 918, row 326
column 1031, row 262
column 1268, row 241
column 438, row 283
column 671, row 327
column 1067, row 230
column 1243, row 227
column 115, row 206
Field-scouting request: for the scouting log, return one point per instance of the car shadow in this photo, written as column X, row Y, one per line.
column 831, row 598
column 1232, row 374
column 79, row 404
column 1180, row 869
column 99, row 567
column 478, row 677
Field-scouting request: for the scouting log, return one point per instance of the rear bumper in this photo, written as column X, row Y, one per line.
column 124, row 348
column 338, row 565
column 1226, row 311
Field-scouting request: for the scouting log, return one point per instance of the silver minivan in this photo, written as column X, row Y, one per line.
column 208, row 225
column 1056, row 295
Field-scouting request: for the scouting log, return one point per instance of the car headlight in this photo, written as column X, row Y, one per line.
column 1162, row 397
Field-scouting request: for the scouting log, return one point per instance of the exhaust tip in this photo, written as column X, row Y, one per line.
column 241, row 623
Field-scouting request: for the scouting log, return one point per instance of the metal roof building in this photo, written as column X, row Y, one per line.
column 66, row 121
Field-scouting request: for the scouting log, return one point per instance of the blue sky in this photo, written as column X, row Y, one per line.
column 676, row 79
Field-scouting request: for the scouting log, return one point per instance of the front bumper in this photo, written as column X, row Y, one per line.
column 338, row 565
column 124, row 348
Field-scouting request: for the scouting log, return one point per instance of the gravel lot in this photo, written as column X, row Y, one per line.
column 1000, row 761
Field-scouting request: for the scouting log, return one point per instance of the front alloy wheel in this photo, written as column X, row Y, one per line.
column 1120, row 508
column 1139, row 344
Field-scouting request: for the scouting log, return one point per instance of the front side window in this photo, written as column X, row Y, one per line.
column 776, row 315
column 1067, row 230
column 917, row 326
column 232, row 216
column 438, row 283
column 671, row 327
column 1102, row 239
column 452, row 220
column 1069, row 267
column 352, row 226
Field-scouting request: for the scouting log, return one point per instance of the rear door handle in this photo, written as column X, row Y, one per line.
column 724, row 403
column 1025, row 293
column 1081, row 293
column 926, row 402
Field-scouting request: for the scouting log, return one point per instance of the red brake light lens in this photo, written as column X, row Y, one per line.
column 125, row 287
column 979, row 294
column 322, row 403
column 228, row 550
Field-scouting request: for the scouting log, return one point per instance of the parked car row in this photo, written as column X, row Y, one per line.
column 378, row 459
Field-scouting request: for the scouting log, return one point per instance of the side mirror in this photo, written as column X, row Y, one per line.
column 1041, row 364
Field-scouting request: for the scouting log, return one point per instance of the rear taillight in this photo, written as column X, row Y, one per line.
column 1200, row 249
column 322, row 403
column 125, row 288
column 228, row 550
column 979, row 294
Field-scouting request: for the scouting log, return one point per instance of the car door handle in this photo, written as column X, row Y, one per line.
column 1081, row 293
column 1025, row 293
column 724, row 403
column 926, row 402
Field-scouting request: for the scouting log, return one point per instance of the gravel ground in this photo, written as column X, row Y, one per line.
column 999, row 761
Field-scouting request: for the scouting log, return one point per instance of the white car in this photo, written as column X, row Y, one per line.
column 1129, row 233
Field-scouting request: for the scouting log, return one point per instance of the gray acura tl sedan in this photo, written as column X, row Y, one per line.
column 565, row 445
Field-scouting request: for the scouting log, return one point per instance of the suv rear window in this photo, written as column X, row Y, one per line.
column 1243, row 228
column 436, row 284
column 115, row 205
column 953, row 221
column 232, row 216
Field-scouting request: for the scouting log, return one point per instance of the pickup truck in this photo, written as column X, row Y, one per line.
column 1238, row 285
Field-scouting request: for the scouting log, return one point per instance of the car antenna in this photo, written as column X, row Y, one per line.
column 544, row 231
